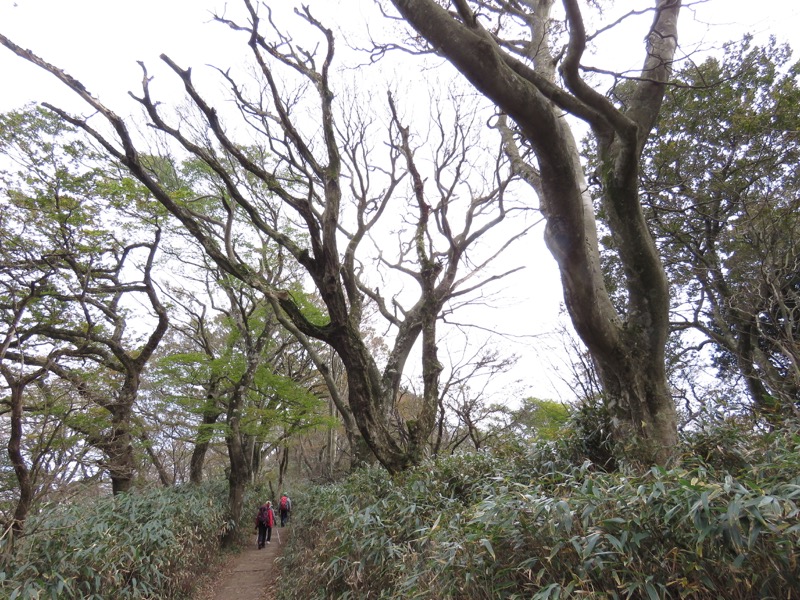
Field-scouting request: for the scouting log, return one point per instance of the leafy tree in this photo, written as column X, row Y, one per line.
column 540, row 419
column 721, row 188
column 67, row 279
column 332, row 188
column 507, row 51
column 231, row 364
column 279, row 269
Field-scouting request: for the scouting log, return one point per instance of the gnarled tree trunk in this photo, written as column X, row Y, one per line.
column 628, row 347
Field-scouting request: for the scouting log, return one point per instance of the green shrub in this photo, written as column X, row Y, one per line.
column 541, row 527
column 587, row 436
column 146, row 544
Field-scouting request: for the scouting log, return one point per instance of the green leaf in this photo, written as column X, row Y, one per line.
column 488, row 545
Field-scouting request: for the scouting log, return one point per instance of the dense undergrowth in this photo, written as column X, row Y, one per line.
column 536, row 525
column 148, row 544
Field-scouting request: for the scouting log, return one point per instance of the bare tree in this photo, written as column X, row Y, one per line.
column 464, row 397
column 322, row 172
column 504, row 48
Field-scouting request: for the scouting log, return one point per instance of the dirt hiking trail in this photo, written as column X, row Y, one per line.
column 248, row 575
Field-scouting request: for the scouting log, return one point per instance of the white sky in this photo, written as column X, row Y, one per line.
column 99, row 42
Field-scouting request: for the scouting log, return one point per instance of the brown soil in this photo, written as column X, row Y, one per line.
column 248, row 575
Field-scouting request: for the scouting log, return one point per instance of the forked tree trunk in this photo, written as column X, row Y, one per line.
column 118, row 445
column 628, row 348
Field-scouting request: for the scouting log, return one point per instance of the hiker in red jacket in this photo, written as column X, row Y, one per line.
column 285, row 508
column 265, row 521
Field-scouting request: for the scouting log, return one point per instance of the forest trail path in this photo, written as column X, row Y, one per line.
column 251, row 574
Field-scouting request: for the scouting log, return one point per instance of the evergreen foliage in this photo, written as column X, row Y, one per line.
column 538, row 526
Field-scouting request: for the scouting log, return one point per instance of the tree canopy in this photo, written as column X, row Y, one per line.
column 723, row 203
column 271, row 276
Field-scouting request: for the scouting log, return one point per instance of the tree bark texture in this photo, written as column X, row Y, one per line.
column 314, row 198
column 628, row 348
column 201, row 445
column 15, row 455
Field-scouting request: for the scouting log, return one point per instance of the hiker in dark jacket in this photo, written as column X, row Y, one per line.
column 285, row 507
column 265, row 521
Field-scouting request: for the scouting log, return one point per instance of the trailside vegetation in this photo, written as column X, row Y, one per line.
column 148, row 544
column 271, row 292
column 539, row 525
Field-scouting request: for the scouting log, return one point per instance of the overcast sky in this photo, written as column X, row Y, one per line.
column 99, row 42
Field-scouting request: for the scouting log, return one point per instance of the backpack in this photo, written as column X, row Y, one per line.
column 263, row 515
column 284, row 503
